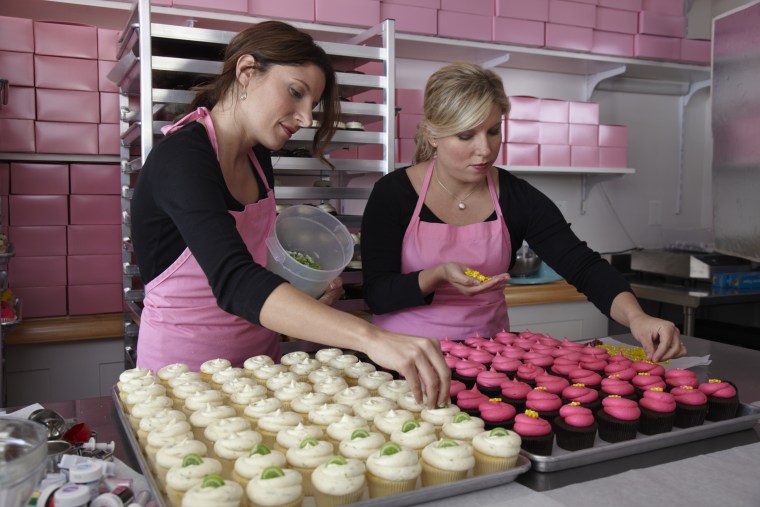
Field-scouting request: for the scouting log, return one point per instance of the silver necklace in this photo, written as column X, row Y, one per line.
column 461, row 205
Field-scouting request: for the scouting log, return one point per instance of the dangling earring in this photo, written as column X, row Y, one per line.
column 243, row 95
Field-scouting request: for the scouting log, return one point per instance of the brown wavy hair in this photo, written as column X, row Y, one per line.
column 277, row 43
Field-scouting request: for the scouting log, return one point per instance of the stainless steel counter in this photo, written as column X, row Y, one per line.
column 691, row 298
column 728, row 362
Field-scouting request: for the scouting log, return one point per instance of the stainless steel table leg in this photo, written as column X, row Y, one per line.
column 688, row 320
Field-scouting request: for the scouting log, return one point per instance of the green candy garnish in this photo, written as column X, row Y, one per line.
column 212, row 481
column 409, row 425
column 305, row 259
column 336, row 460
column 446, row 442
column 262, row 449
column 308, row 441
column 272, row 472
column 359, row 433
column 498, row 432
column 390, row 448
column 192, row 459
column 461, row 417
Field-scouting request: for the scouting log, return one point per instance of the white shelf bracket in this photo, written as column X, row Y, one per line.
column 495, row 62
column 589, row 181
column 693, row 88
column 592, row 80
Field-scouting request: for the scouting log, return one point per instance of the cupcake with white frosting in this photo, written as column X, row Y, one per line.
column 391, row 420
column 200, row 419
column 142, row 393
column 351, row 395
column 372, row 381
column 235, row 385
column 170, row 371
column 219, row 378
column 250, row 466
column 172, row 455
column 495, row 450
column 290, row 391
column 370, row 407
column 270, row 424
column 446, row 460
column 216, row 491
column 291, row 437
column 208, row 368
column 304, row 367
column 280, row 380
column 134, row 373
column 307, row 456
column 181, row 378
column 147, row 408
column 202, row 399
column 322, row 373
column 267, row 371
column 352, row 372
column 294, row 357
column 439, row 416
column 407, row 401
column 170, row 434
column 328, row 413
column 361, row 444
column 254, row 411
column 392, row 469
column 343, row 361
column 414, row 435
column 221, row 428
column 157, row 420
column 180, row 478
column 342, row 429
column 233, row 446
column 181, row 391
column 338, row 481
column 254, row 363
column 305, row 402
column 394, row 389
column 276, row 487
column 463, row 426
column 247, row 395
column 330, row 386
column 326, row 355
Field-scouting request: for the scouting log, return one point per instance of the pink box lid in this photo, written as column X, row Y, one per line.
column 482, row 7
column 41, row 240
column 347, row 12
column 21, row 104
column 410, row 18
column 68, row 106
column 524, row 108
column 16, row 34
column 302, row 10
column 93, row 239
column 554, row 111
column 95, row 209
column 575, row 38
column 95, row 299
column 95, row 179
column 18, row 135
column 42, row 301
column 584, row 112
column 18, row 68
column 572, row 13
column 536, row 10
column 63, row 73
column 554, row 155
column 460, row 25
column 611, row 43
column 518, row 31
column 81, row 41
column 39, row 179
column 62, row 137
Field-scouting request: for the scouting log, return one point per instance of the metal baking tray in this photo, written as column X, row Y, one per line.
column 560, row 459
column 419, row 495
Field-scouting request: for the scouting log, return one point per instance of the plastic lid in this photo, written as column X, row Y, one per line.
column 107, row 500
column 86, row 471
column 72, row 495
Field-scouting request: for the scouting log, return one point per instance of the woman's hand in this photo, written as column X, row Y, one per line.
column 455, row 274
column 659, row 338
column 333, row 293
column 419, row 360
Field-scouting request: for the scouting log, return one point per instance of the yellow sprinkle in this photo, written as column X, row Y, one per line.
column 579, row 385
column 494, row 400
column 644, row 373
column 575, row 403
column 714, row 381
column 614, row 396
column 657, row 389
column 531, row 413
column 687, row 387
column 540, row 388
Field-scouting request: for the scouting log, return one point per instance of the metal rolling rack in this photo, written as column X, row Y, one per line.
column 157, row 65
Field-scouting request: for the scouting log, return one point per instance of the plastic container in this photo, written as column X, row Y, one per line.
column 72, row 495
column 87, row 474
column 23, row 451
column 311, row 231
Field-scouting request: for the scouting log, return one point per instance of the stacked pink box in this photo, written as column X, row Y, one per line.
column 412, row 16
column 411, row 103
column 108, row 128
column 17, row 64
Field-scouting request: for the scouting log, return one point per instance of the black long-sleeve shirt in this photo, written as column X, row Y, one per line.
column 181, row 200
column 530, row 215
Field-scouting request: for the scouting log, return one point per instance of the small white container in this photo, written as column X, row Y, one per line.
column 87, row 474
column 72, row 495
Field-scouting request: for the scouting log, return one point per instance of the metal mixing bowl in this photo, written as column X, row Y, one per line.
column 527, row 263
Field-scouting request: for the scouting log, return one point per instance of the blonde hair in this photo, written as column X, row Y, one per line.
column 458, row 97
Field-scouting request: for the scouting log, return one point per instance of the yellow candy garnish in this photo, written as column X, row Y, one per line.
column 476, row 274
column 531, row 413
column 614, row 375
column 575, row 403
column 614, row 396
column 494, row 400
column 579, row 385
column 714, row 381
column 657, row 389
column 632, row 353
column 687, row 387
column 644, row 373
column 540, row 388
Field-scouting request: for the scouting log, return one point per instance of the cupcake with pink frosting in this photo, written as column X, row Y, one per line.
column 528, row 372
column 621, row 370
column 469, row 400
column 540, row 359
column 593, row 363
column 616, row 385
column 619, row 358
column 585, row 396
column 552, row 383
column 492, row 347
column 691, row 406
column 648, row 367
column 467, row 371
column 536, row 434
column 569, row 344
column 586, row 377
column 451, row 361
column 563, row 365
column 455, row 388
column 495, row 413
column 644, row 382
column 678, row 377
column 481, row 356
column 489, row 382
column 575, row 427
column 513, row 352
column 446, row 344
column 460, row 350
column 618, row 419
column 506, row 365
column 658, row 412
column 545, row 403
column 475, row 340
column 722, row 399
column 515, row 392
column 505, row 337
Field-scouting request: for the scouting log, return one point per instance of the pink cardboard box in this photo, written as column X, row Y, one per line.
column 460, row 25
column 613, row 156
column 4, row 212
column 370, row 152
column 38, row 209
column 575, row 38
column 524, row 108
column 554, row 111
column 39, row 179
column 44, row 271
column 521, row 154
column 93, row 239
column 518, row 31
column 405, row 149
column 613, row 135
column 410, row 18
column 482, row 7
column 553, row 133
column 109, row 107
column 616, row 20
column 584, row 135
column 629, row 5
column 347, row 12
column 65, row 73
column 536, row 10
column 42, row 301
column 105, row 84
column 108, row 44
column 239, row 6
column 584, row 156
column 572, row 13
column 18, row 135
column 109, row 138
column 93, row 269
column 583, row 112
column 654, row 46
column 60, row 39
column 16, row 34
column 653, row 23
column 17, row 68
column 98, row 179
column 554, row 155
column 696, row 50
column 347, row 152
column 95, row 209
column 301, row 10
column 5, row 179
column 522, row 131
column 60, row 137
column 95, row 299
column 36, row 241
column 406, row 125
column 21, row 105
column 429, row 4
column 667, row 7
column 410, row 100
column 68, row 105
column 611, row 43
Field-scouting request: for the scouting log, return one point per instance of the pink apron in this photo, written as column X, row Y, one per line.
column 484, row 246
column 181, row 320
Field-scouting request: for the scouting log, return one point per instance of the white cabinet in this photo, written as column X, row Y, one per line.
column 578, row 320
